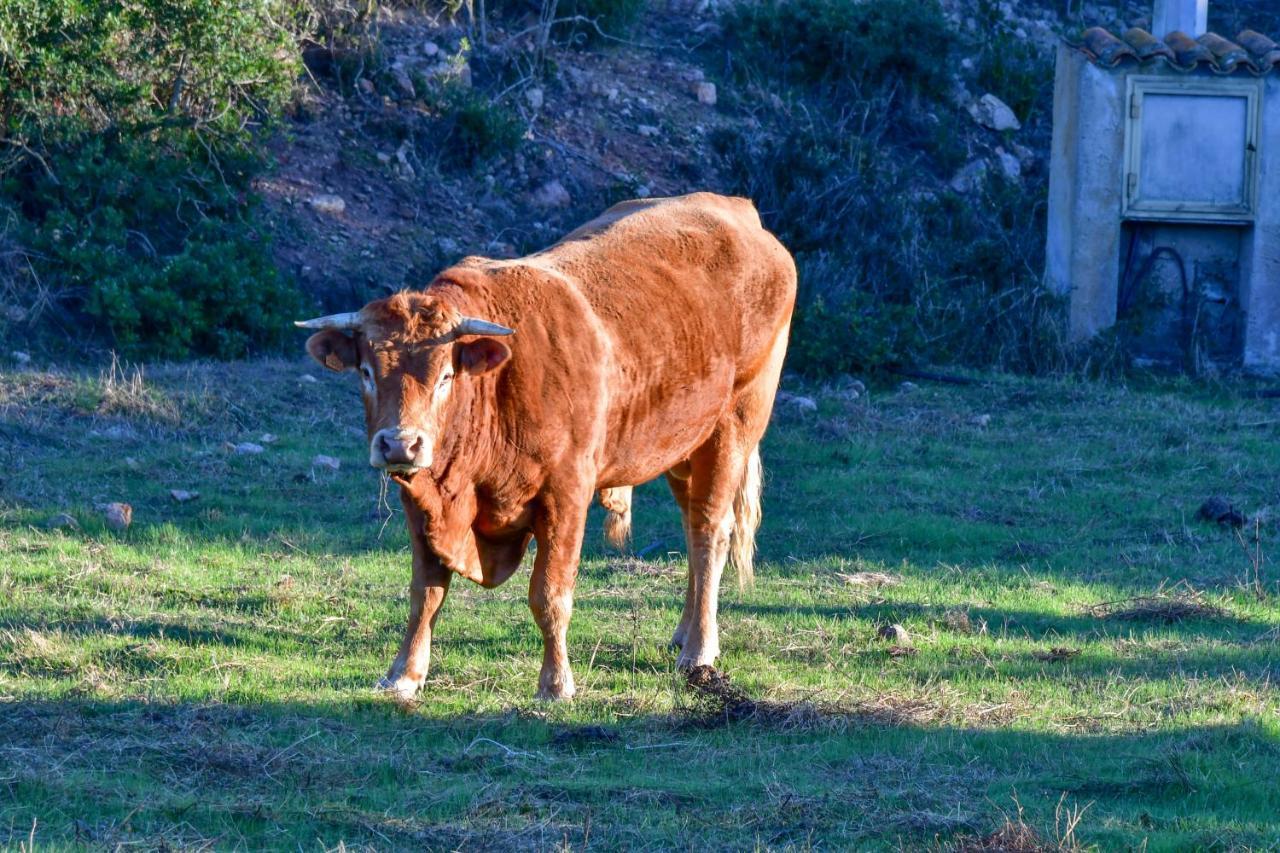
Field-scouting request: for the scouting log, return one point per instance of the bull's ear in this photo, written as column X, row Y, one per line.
column 483, row 355
column 333, row 349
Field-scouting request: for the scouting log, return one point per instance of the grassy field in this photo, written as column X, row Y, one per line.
column 1088, row 665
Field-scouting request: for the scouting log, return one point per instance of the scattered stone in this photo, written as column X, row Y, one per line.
column 706, row 93
column 845, row 387
column 643, row 191
column 247, row 448
column 15, row 313
column 322, row 461
column 182, row 495
column 990, row 111
column 895, row 634
column 23, row 358
column 908, row 387
column 447, row 245
column 384, row 158
column 365, row 85
column 983, row 421
column 796, row 402
column 970, row 177
column 647, row 130
column 267, row 438
column 1009, row 164
column 612, row 94
column 308, row 378
column 552, row 194
column 403, row 83
column 328, row 203
column 534, row 97
column 430, row 48
column 1219, row 510
column 62, row 521
column 403, row 168
column 118, row 516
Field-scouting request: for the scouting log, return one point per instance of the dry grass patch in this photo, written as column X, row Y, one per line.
column 1015, row 835
column 869, row 580
column 1169, row 607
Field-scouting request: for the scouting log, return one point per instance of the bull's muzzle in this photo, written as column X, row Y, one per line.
column 400, row 450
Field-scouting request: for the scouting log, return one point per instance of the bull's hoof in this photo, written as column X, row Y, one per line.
column 401, row 689
column 691, row 658
column 556, row 690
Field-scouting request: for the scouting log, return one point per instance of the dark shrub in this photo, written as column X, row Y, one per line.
column 126, row 129
column 847, row 46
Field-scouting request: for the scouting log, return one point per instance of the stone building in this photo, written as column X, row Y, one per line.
column 1164, row 191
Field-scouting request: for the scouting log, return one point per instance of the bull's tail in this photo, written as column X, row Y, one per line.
column 746, row 519
column 617, row 517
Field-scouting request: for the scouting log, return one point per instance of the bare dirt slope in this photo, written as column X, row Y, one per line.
column 615, row 121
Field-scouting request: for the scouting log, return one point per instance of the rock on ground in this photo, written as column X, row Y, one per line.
column 118, row 515
column 552, row 194
column 990, row 111
column 322, row 461
column 328, row 203
column 895, row 634
column 796, row 402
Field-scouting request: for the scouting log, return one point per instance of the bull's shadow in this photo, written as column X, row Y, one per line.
column 365, row 773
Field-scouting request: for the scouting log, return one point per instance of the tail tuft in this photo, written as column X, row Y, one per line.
column 746, row 519
column 617, row 519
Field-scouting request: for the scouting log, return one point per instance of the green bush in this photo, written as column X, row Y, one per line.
column 469, row 128
column 128, row 154
column 158, row 247
column 846, row 46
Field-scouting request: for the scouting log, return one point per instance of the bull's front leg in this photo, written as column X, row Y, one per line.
column 427, row 591
column 558, row 530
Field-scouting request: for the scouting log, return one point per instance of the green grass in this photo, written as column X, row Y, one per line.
column 204, row 677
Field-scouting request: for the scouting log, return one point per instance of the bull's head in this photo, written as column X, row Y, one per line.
column 408, row 349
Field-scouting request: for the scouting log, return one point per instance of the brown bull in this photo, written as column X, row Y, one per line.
column 506, row 393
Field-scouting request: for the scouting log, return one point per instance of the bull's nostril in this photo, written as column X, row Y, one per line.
column 415, row 445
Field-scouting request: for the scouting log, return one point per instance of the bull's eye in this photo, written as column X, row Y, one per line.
column 443, row 384
column 366, row 376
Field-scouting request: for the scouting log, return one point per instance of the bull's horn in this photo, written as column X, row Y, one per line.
column 347, row 322
column 472, row 326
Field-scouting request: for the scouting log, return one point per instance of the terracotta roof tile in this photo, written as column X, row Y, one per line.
column 1250, row 51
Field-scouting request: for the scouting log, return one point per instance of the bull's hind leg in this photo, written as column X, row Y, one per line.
column 427, row 592
column 716, row 475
